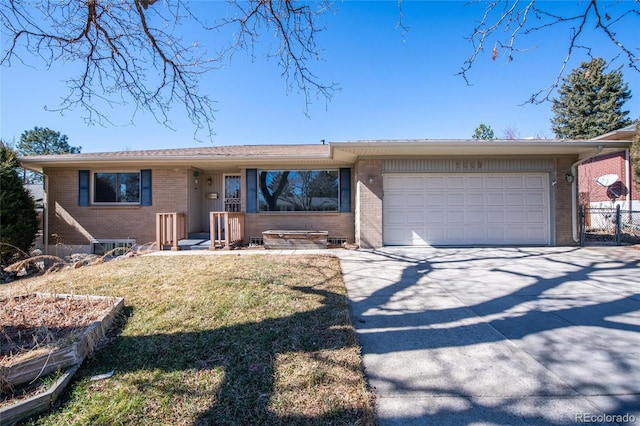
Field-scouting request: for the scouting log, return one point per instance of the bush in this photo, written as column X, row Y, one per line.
column 18, row 216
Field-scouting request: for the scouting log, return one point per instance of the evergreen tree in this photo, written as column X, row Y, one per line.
column 483, row 132
column 590, row 102
column 18, row 216
column 42, row 141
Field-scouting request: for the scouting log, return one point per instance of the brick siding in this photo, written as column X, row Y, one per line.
column 593, row 192
column 76, row 225
column 337, row 224
column 563, row 203
column 368, row 205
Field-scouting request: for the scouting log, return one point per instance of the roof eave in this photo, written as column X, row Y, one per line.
column 39, row 163
column 339, row 153
column 477, row 148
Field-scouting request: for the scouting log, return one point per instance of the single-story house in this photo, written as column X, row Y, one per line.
column 369, row 192
column 608, row 180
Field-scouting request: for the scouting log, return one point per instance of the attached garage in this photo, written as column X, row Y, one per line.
column 466, row 209
column 454, row 192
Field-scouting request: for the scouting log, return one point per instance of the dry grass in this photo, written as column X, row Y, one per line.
column 217, row 340
column 34, row 324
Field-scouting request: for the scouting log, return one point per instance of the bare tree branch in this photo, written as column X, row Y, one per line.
column 295, row 26
column 504, row 22
column 131, row 53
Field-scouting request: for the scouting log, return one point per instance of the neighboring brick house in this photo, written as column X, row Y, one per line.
column 371, row 193
column 608, row 180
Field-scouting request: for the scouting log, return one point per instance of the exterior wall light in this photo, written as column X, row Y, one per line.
column 371, row 180
column 196, row 174
column 569, row 177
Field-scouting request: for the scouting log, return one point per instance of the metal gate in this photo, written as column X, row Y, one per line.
column 609, row 226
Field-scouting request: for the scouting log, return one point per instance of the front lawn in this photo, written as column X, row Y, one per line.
column 235, row 339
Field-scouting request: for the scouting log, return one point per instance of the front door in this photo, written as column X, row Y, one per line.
column 232, row 195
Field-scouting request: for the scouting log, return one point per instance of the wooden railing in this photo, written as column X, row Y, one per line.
column 227, row 228
column 170, row 228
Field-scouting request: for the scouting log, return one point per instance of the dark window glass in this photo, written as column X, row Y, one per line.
column 116, row 188
column 111, row 248
column 298, row 190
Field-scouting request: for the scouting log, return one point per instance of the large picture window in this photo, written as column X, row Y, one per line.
column 116, row 188
column 298, row 190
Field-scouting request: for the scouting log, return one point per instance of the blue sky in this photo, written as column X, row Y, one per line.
column 393, row 85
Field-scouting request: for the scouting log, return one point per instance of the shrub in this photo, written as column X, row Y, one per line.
column 18, row 216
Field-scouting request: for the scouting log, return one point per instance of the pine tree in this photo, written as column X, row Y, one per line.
column 44, row 141
column 483, row 132
column 590, row 102
column 18, row 216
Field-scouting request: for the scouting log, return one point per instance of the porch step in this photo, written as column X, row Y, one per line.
column 189, row 243
column 198, row 236
column 196, row 241
column 205, row 245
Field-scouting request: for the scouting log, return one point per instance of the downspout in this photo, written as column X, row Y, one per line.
column 574, row 193
column 627, row 179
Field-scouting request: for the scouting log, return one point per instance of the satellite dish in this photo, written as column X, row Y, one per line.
column 607, row 180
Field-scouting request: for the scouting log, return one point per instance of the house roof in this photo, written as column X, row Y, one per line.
column 206, row 157
column 475, row 148
column 333, row 154
column 626, row 133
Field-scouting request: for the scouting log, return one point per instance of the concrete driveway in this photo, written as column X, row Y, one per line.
column 499, row 335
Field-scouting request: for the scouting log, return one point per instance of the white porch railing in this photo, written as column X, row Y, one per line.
column 170, row 228
column 227, row 228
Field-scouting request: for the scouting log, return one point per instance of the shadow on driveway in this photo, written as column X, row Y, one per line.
column 499, row 335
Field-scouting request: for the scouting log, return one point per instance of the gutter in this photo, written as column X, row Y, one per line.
column 574, row 192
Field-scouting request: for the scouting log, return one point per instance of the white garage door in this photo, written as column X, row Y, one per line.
column 466, row 209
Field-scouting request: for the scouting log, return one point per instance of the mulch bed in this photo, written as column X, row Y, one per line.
column 33, row 322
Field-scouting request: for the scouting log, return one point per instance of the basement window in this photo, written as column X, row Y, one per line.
column 111, row 247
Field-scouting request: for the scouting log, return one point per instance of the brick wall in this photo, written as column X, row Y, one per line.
column 337, row 224
column 563, row 203
column 368, row 204
column 593, row 192
column 75, row 225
